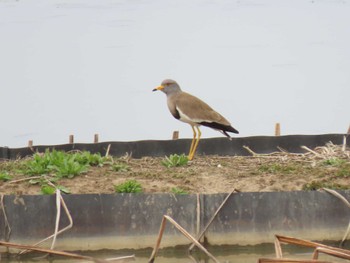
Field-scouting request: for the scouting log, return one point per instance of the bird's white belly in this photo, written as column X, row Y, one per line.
column 185, row 118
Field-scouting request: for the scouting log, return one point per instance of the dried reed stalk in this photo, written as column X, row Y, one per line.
column 198, row 215
column 330, row 252
column 63, row 253
column 59, row 202
column 289, row 260
column 49, row 251
column 182, row 231
column 346, row 202
column 7, row 224
column 337, row 252
column 212, row 219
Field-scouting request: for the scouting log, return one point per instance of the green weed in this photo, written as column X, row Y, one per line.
column 315, row 185
column 58, row 164
column 4, row 176
column 130, row 186
column 343, row 166
column 175, row 160
column 62, row 164
column 344, row 170
column 69, row 167
column 178, row 191
column 49, row 190
column 277, row 168
column 88, row 158
column 334, row 162
column 120, row 167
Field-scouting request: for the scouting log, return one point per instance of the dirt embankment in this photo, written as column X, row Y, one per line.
column 327, row 166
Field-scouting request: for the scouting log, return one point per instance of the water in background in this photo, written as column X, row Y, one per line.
column 225, row 254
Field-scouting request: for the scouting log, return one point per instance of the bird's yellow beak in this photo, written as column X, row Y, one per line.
column 158, row 88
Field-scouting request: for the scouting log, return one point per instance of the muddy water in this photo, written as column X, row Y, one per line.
column 226, row 254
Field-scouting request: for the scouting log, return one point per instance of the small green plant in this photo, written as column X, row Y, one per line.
column 130, row 186
column 69, row 167
column 4, row 176
column 50, row 190
column 276, row 168
column 342, row 166
column 344, row 171
column 315, row 185
column 88, row 158
column 53, row 165
column 178, row 191
column 120, row 167
column 47, row 189
column 61, row 163
column 175, row 160
column 39, row 164
column 334, row 162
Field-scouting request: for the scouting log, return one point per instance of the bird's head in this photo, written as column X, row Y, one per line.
column 168, row 86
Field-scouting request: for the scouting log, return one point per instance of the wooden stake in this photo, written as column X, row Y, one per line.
column 175, row 135
column 71, row 139
column 96, row 138
column 277, row 129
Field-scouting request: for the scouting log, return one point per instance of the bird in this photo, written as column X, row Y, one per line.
column 190, row 109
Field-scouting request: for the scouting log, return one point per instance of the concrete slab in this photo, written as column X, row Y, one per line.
column 117, row 221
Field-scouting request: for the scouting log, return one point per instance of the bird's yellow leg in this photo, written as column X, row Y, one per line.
column 190, row 155
column 196, row 144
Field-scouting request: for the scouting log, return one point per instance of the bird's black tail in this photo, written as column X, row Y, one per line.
column 222, row 128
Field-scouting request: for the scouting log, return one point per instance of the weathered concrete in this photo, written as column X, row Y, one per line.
column 132, row 220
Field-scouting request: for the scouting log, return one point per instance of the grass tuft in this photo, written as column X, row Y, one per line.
column 120, row 167
column 315, row 185
column 129, row 186
column 4, row 176
column 175, row 160
column 179, row 191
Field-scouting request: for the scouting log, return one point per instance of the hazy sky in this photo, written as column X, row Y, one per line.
column 83, row 67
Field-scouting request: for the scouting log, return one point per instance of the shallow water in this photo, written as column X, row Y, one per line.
column 225, row 254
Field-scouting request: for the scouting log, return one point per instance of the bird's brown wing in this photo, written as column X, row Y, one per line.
column 197, row 110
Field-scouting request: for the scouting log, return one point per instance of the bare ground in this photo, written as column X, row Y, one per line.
column 322, row 167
